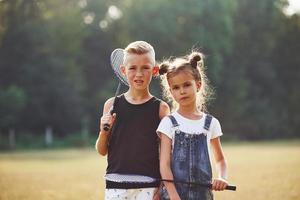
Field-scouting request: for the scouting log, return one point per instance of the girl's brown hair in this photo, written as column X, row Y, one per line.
column 193, row 64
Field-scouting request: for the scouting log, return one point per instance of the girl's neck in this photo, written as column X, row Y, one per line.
column 190, row 112
column 137, row 97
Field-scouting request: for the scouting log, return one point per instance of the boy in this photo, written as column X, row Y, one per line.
column 132, row 143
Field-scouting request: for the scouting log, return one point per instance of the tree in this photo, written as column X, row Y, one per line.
column 37, row 54
column 12, row 102
column 250, row 81
column 287, row 62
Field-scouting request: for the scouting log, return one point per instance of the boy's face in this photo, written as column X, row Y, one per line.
column 138, row 70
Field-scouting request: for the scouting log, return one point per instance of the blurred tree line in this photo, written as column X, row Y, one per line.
column 54, row 60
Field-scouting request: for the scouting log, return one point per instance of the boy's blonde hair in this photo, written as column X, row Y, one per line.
column 139, row 48
column 192, row 64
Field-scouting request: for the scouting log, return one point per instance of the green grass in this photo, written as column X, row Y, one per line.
column 260, row 171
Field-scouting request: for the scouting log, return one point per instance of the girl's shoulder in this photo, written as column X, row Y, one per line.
column 166, row 119
column 176, row 117
column 214, row 126
column 213, row 119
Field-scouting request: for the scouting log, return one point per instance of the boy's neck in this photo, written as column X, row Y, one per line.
column 136, row 97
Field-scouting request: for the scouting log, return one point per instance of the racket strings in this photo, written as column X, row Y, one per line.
column 117, row 57
column 121, row 178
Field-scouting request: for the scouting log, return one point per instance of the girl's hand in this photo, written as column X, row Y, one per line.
column 219, row 184
column 174, row 196
column 107, row 119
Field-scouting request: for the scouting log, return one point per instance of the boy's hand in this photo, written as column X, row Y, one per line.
column 174, row 197
column 107, row 119
column 219, row 184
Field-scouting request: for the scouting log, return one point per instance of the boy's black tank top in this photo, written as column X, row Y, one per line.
column 133, row 145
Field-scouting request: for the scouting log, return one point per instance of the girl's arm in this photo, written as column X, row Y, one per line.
column 164, row 110
column 221, row 166
column 165, row 166
column 107, row 118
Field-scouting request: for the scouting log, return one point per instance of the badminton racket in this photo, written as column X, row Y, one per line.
column 128, row 178
column 116, row 60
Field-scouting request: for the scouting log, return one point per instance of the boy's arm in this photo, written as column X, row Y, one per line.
column 221, row 166
column 164, row 109
column 107, row 118
column 165, row 165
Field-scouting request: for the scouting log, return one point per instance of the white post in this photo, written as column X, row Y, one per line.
column 84, row 129
column 48, row 136
column 12, row 138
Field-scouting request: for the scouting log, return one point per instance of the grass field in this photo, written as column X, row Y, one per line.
column 261, row 171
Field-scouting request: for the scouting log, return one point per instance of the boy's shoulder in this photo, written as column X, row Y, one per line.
column 164, row 108
column 108, row 104
column 109, row 101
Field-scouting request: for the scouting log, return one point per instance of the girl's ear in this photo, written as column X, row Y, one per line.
column 155, row 70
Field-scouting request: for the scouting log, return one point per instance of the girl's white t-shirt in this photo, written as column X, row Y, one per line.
column 190, row 126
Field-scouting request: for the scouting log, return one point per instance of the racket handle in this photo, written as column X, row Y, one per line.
column 106, row 127
column 230, row 187
column 209, row 185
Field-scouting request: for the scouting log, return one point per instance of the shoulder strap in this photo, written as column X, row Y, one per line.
column 207, row 123
column 173, row 120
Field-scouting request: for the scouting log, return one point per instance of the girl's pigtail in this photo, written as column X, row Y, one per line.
column 196, row 59
column 163, row 68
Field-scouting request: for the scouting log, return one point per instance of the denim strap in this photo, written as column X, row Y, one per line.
column 173, row 120
column 207, row 123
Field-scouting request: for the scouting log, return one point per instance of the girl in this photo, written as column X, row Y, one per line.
column 187, row 134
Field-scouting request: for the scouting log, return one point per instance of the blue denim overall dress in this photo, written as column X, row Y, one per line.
column 190, row 163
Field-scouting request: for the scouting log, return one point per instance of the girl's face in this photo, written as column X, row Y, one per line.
column 138, row 70
column 184, row 88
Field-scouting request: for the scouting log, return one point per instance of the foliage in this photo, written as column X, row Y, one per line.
column 54, row 60
column 12, row 102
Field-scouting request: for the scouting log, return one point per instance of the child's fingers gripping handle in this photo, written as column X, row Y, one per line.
column 106, row 126
column 228, row 187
